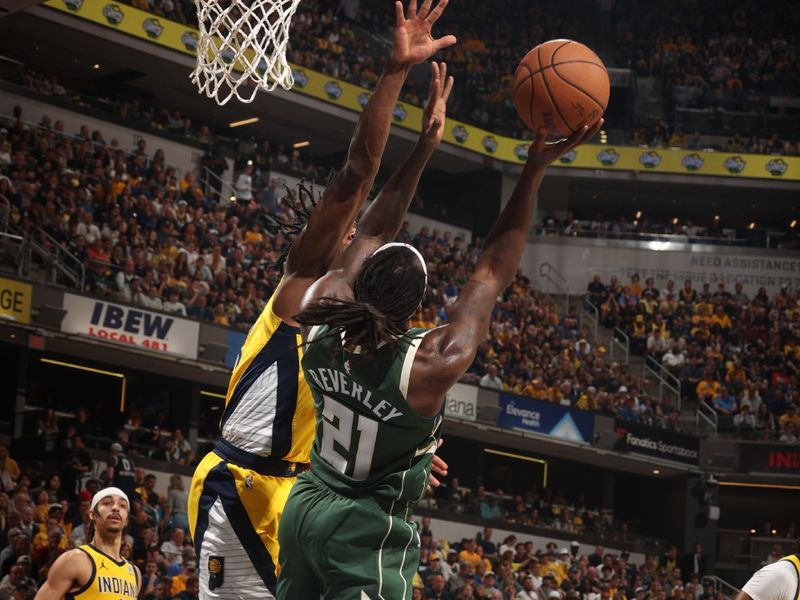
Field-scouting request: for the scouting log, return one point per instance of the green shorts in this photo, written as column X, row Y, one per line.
column 334, row 547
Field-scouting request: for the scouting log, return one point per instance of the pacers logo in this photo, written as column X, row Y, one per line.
column 216, row 572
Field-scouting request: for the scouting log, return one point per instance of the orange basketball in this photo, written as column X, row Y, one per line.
column 560, row 85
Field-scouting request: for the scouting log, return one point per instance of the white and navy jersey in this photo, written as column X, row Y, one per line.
column 269, row 410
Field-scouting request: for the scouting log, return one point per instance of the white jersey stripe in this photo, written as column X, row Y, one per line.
column 249, row 427
column 408, row 362
column 241, row 580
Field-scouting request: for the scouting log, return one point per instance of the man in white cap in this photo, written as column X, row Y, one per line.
column 97, row 571
column 777, row 581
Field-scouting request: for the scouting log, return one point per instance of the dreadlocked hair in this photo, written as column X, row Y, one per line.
column 387, row 292
column 301, row 204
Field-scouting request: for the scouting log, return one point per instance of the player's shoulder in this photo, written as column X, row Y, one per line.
column 775, row 581
column 74, row 560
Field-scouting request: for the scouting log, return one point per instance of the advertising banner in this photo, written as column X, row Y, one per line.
column 235, row 342
column 643, row 439
column 749, row 266
column 130, row 326
column 461, row 402
column 527, row 414
column 184, row 39
column 15, row 300
column 769, row 458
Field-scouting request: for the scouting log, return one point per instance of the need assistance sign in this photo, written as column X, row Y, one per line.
column 130, row 326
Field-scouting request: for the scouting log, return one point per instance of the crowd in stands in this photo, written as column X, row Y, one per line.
column 482, row 567
column 163, row 242
column 710, row 54
column 44, row 513
column 639, row 229
column 542, row 508
column 734, row 353
column 705, row 61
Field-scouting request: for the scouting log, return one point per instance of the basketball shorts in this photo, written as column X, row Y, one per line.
column 337, row 548
column 234, row 512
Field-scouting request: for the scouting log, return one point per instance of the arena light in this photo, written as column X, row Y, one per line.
column 716, row 217
column 521, row 457
column 793, row 224
column 121, row 376
column 767, row 486
column 752, row 225
column 638, row 214
column 243, row 122
column 675, row 221
column 96, row 66
column 303, row 144
column 656, row 472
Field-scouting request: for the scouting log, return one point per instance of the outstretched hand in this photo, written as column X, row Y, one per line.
column 541, row 154
column 439, row 467
column 413, row 41
column 433, row 117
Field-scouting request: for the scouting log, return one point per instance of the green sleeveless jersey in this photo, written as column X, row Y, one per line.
column 368, row 440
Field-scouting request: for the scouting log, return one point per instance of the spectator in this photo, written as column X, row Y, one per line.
column 244, row 184
column 17, row 579
column 192, row 590
column 121, row 470
column 9, row 470
column 491, row 379
column 745, row 421
column 178, row 501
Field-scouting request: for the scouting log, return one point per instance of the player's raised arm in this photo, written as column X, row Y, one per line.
column 447, row 352
column 383, row 219
column 318, row 244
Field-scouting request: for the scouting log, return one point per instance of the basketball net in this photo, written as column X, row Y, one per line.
column 241, row 48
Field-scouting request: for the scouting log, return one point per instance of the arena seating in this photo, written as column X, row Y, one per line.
column 736, row 354
column 699, row 64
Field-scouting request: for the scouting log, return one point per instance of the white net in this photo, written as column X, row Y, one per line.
column 241, row 48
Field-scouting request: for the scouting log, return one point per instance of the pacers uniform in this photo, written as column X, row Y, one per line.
column 239, row 489
column 777, row 581
column 110, row 580
column 345, row 531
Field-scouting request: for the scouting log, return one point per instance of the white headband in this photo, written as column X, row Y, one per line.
column 109, row 491
column 409, row 247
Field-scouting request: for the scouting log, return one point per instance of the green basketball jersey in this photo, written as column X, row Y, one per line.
column 368, row 440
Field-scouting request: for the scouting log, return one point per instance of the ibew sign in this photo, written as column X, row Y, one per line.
column 130, row 326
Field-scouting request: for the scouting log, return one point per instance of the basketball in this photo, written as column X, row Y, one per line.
column 561, row 85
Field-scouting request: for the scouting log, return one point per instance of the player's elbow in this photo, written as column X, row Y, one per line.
column 361, row 168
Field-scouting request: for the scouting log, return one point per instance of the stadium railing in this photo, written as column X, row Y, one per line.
column 553, row 277
column 664, row 378
column 620, row 343
column 590, row 315
column 707, row 415
column 590, row 229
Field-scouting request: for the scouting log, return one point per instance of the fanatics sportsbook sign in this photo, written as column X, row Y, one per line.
column 130, row 326
column 653, row 441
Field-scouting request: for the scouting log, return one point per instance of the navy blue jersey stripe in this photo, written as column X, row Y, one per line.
column 281, row 348
column 288, row 372
column 219, row 483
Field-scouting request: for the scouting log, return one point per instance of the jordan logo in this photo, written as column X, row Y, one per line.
column 102, row 565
